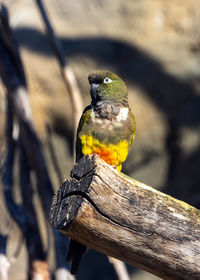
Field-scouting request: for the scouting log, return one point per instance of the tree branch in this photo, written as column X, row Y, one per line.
column 123, row 218
column 18, row 99
column 66, row 71
column 15, row 210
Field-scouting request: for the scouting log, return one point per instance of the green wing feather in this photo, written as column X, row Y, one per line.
column 84, row 118
column 133, row 128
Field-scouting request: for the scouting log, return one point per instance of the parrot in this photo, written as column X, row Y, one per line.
column 106, row 128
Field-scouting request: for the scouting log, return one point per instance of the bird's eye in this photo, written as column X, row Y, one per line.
column 107, row 80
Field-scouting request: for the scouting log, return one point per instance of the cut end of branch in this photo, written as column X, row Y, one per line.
column 71, row 193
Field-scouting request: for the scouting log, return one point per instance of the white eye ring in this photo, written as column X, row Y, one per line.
column 107, row 80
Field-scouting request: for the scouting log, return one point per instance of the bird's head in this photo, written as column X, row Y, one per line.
column 107, row 86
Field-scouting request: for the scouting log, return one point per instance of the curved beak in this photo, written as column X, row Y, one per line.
column 93, row 90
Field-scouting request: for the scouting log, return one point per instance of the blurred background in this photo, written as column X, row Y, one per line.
column 154, row 46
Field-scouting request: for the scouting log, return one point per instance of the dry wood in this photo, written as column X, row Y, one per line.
column 123, row 218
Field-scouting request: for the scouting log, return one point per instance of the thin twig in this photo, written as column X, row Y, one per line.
column 15, row 210
column 66, row 71
column 119, row 268
column 17, row 250
column 32, row 234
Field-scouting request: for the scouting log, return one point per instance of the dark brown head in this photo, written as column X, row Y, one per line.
column 105, row 85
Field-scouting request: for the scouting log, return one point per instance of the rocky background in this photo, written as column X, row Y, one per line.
column 154, row 45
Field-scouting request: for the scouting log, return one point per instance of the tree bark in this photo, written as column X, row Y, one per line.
column 123, row 218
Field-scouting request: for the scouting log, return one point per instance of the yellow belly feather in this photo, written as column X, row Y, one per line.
column 113, row 154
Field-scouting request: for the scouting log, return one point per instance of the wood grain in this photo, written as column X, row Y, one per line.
column 123, row 218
